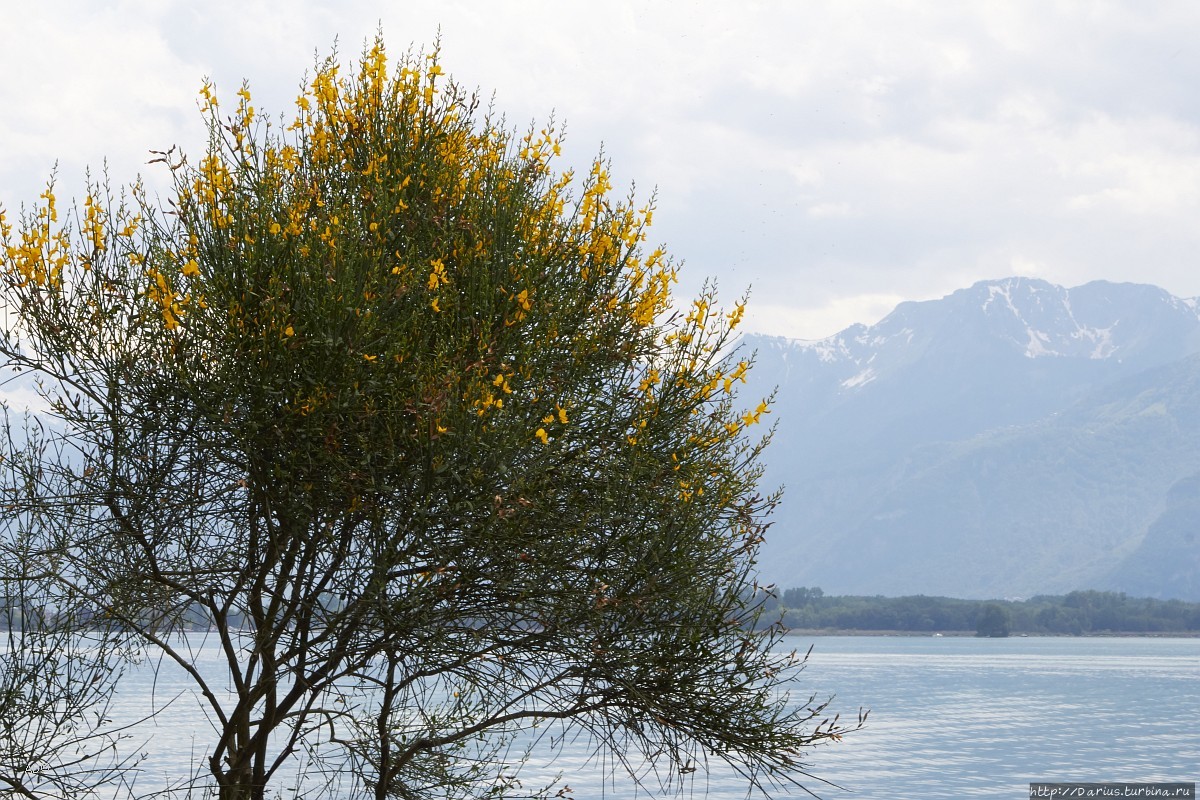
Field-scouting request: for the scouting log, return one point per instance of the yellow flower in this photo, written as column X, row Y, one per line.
column 275, row 228
column 437, row 275
column 434, row 305
column 542, row 436
column 191, row 269
column 752, row 417
column 735, row 316
column 369, row 357
column 289, row 331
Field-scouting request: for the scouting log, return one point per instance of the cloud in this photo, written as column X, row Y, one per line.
column 819, row 321
column 85, row 84
column 821, row 152
column 23, row 399
column 830, row 209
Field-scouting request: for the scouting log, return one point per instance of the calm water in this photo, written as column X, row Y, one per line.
column 971, row 717
column 950, row 718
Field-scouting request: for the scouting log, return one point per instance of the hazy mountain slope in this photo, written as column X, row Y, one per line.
column 1166, row 564
column 1012, row 438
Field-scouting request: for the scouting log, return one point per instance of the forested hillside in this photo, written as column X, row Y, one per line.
column 1076, row 613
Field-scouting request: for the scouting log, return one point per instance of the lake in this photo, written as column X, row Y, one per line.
column 950, row 718
column 966, row 717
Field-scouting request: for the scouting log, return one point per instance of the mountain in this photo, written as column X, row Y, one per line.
column 1167, row 561
column 1010, row 439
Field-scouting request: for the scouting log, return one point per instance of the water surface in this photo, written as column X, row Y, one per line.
column 950, row 718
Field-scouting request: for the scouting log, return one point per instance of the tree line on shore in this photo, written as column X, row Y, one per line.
column 1076, row 613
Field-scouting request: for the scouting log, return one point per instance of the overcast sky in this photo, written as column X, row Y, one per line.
column 835, row 156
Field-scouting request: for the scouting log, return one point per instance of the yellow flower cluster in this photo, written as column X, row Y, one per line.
column 437, row 275
column 212, row 187
column 560, row 413
column 243, row 120
column 735, row 316
column 558, row 417
column 689, row 490
column 93, row 225
column 493, row 397
column 390, row 169
column 648, row 382
column 208, row 96
column 44, row 248
column 160, row 292
column 752, row 417
column 651, row 283
column 541, row 148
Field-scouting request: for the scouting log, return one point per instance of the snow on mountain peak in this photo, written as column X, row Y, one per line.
column 999, row 290
column 861, row 379
column 1044, row 320
column 1027, row 317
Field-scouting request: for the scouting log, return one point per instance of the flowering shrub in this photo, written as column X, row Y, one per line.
column 407, row 416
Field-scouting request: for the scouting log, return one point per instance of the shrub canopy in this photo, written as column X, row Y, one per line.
column 410, row 421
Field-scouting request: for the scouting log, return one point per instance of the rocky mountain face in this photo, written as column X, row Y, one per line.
column 1011, row 439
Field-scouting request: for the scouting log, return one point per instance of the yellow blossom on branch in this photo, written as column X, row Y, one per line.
column 437, row 275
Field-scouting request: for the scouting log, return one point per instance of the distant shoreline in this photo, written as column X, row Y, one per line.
column 1014, row 635
column 1084, row 612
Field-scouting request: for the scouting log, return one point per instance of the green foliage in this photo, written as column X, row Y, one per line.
column 993, row 621
column 404, row 414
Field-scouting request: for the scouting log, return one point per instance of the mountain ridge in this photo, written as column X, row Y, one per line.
column 920, row 453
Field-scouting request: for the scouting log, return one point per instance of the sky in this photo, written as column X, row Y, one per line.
column 832, row 157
